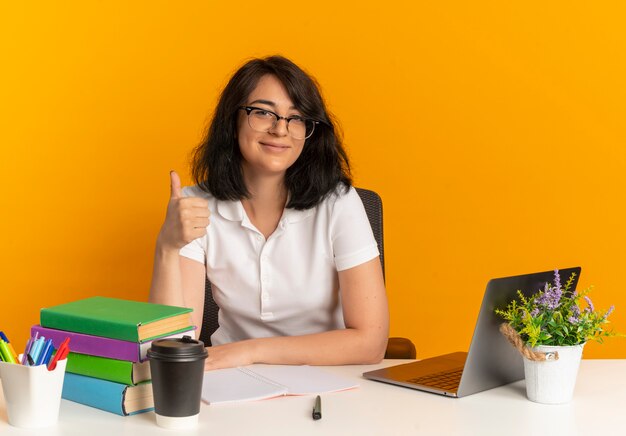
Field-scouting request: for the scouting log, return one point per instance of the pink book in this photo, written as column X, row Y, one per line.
column 101, row 346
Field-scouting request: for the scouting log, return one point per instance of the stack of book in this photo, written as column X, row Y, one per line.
column 109, row 339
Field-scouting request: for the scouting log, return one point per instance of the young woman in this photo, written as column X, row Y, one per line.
column 276, row 226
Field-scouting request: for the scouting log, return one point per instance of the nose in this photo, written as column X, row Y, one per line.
column 279, row 128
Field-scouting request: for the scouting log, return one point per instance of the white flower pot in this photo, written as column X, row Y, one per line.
column 553, row 381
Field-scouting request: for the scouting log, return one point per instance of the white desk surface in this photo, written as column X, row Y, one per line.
column 598, row 408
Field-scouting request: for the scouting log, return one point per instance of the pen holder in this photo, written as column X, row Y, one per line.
column 32, row 393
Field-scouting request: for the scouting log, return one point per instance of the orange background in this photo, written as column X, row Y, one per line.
column 494, row 132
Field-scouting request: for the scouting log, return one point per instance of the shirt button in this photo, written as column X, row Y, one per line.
column 265, row 297
column 259, row 237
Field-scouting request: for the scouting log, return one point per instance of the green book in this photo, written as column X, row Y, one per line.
column 116, row 318
column 120, row 371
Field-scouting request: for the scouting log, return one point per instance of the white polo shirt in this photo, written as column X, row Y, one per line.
column 286, row 285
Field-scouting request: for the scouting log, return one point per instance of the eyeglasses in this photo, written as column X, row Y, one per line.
column 263, row 120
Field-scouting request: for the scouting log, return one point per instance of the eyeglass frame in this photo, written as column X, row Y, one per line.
column 277, row 117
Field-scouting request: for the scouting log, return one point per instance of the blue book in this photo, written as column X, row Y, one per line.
column 107, row 395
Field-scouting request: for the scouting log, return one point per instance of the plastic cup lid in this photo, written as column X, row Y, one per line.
column 179, row 349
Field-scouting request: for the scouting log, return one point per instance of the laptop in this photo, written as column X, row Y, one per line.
column 491, row 360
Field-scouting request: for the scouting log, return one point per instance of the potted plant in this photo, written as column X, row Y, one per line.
column 550, row 329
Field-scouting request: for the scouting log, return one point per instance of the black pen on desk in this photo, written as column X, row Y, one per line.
column 317, row 409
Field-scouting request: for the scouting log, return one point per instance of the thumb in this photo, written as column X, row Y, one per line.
column 176, row 191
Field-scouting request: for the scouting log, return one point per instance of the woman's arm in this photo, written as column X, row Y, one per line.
column 179, row 281
column 176, row 280
column 364, row 339
column 166, row 286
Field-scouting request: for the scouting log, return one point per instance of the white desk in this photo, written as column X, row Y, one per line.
column 598, row 408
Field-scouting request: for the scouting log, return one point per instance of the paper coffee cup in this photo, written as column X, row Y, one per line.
column 177, row 368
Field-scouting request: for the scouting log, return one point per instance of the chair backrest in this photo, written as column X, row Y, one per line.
column 374, row 210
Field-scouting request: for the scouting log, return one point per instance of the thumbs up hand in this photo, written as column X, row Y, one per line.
column 186, row 219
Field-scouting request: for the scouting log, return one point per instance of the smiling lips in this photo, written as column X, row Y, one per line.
column 271, row 146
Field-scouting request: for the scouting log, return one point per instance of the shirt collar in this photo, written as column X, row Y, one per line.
column 231, row 210
column 293, row 216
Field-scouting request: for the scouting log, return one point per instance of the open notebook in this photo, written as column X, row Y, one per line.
column 258, row 382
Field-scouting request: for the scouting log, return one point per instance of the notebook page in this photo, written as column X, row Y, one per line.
column 233, row 385
column 304, row 380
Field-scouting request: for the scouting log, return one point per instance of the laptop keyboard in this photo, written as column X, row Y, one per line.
column 446, row 380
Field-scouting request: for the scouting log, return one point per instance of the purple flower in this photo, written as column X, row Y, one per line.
column 557, row 279
column 608, row 312
column 574, row 318
column 556, row 298
column 589, row 308
column 550, row 298
column 542, row 300
column 534, row 312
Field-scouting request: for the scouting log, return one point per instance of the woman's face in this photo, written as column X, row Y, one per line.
column 271, row 152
